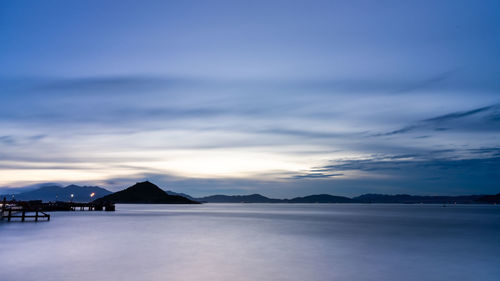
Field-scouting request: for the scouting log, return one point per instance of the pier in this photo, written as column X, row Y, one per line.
column 36, row 210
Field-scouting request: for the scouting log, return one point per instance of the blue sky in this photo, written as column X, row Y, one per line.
column 283, row 98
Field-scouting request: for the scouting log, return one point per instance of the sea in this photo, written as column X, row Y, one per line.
column 303, row 242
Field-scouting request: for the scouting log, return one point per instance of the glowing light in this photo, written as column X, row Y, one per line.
column 92, row 194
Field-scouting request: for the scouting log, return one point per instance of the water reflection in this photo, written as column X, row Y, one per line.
column 257, row 242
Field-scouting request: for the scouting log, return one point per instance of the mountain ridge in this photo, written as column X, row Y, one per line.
column 365, row 198
column 251, row 198
column 54, row 192
column 59, row 193
column 144, row 193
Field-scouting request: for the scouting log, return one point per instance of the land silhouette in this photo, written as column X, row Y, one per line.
column 149, row 193
column 58, row 193
column 144, row 193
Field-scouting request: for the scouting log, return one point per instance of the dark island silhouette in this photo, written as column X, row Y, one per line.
column 144, row 193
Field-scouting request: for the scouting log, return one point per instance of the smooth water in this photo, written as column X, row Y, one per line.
column 257, row 242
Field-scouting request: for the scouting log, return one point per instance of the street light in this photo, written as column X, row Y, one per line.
column 72, row 195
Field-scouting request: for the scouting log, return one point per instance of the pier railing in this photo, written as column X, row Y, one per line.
column 23, row 211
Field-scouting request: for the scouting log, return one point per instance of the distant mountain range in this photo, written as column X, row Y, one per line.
column 366, row 198
column 253, row 198
column 170, row 192
column 490, row 199
column 415, row 199
column 321, row 198
column 58, row 193
column 147, row 192
column 144, row 193
column 257, row 198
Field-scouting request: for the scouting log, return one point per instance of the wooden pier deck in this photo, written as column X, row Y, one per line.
column 36, row 210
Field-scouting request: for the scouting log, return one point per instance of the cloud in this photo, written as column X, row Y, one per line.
column 137, row 84
column 485, row 152
column 316, row 176
column 450, row 119
column 7, row 139
column 399, row 131
column 434, row 173
column 474, row 165
column 427, row 83
column 458, row 115
column 302, row 133
column 230, row 92
column 108, row 85
column 139, row 124
column 20, row 140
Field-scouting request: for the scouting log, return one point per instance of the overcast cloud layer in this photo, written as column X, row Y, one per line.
column 283, row 98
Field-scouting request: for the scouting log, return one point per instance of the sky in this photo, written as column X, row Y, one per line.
column 282, row 98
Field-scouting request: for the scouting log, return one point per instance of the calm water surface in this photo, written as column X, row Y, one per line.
column 257, row 242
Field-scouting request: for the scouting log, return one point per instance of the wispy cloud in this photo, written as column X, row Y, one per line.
column 477, row 161
column 458, row 115
column 436, row 123
column 315, row 175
